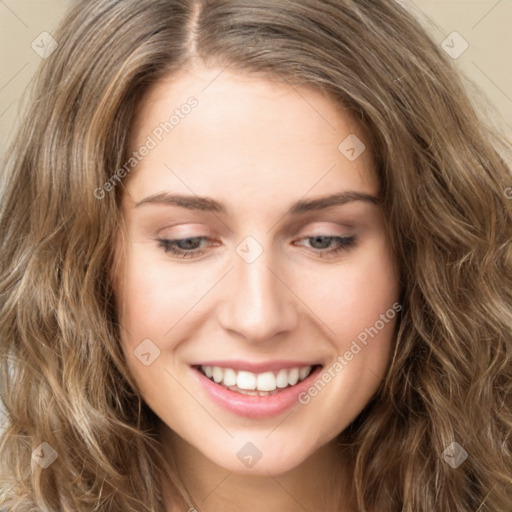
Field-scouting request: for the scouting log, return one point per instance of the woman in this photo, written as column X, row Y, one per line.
column 338, row 340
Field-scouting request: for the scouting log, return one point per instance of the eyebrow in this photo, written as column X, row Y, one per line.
column 208, row 204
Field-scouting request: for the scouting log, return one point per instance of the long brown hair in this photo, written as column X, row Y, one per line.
column 64, row 381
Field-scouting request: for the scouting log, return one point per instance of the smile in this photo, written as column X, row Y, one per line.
column 255, row 391
column 249, row 383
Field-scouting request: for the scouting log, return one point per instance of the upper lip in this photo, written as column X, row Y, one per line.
column 265, row 366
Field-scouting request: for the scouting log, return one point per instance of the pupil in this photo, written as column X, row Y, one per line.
column 189, row 243
column 325, row 239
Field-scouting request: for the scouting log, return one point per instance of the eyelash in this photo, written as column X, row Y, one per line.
column 169, row 246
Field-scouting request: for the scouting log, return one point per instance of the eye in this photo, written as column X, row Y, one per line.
column 321, row 242
column 191, row 247
column 183, row 247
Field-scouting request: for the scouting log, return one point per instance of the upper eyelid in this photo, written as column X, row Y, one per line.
column 293, row 227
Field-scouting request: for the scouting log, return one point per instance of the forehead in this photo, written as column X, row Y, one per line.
column 245, row 131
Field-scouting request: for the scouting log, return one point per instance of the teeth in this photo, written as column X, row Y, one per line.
column 282, row 379
column 266, row 381
column 293, row 376
column 229, row 377
column 303, row 372
column 218, row 374
column 245, row 380
column 261, row 384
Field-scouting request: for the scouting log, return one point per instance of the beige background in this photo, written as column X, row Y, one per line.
column 484, row 24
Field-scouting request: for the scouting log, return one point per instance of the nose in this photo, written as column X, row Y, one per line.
column 258, row 302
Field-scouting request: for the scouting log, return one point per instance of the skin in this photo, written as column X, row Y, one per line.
column 256, row 146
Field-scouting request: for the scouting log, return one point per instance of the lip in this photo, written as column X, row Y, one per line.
column 251, row 406
column 262, row 367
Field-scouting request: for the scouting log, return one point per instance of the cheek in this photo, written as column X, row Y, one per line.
column 156, row 291
column 152, row 299
column 352, row 296
column 148, row 296
column 360, row 307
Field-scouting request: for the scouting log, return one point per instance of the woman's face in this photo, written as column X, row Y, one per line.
column 271, row 280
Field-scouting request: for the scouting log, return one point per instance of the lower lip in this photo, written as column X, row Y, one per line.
column 255, row 406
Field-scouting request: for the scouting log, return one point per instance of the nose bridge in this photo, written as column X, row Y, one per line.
column 259, row 305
